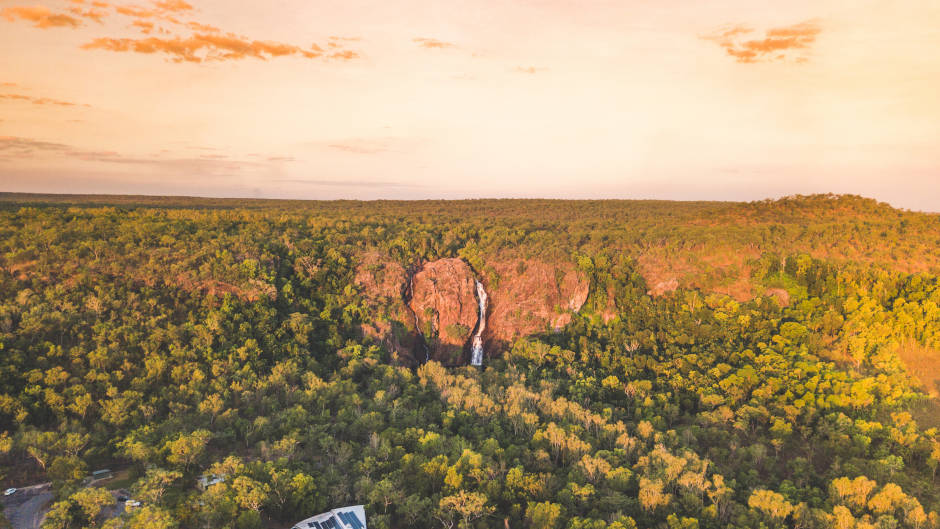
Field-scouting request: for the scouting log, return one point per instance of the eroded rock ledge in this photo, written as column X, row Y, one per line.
column 432, row 312
column 445, row 307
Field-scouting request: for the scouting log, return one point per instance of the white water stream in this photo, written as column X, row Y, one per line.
column 476, row 357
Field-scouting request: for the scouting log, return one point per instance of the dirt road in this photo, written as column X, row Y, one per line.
column 26, row 508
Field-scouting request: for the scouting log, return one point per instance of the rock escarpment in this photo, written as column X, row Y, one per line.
column 382, row 282
column 533, row 296
column 432, row 311
column 444, row 303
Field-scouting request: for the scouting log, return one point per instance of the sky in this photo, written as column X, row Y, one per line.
column 414, row 99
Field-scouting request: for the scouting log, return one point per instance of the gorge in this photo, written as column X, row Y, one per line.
column 442, row 310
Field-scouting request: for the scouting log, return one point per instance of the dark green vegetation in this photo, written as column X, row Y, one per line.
column 213, row 337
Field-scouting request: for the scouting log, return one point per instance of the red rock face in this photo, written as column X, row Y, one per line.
column 525, row 297
column 445, row 306
column 532, row 296
column 663, row 287
column 382, row 282
column 379, row 276
column 779, row 294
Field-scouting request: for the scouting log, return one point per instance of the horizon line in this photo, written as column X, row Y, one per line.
column 10, row 197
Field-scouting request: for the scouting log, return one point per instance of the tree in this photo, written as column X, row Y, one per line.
column 82, row 509
column 151, row 517
column 187, row 448
column 386, row 493
column 250, row 494
column 67, row 472
column 771, row 503
column 151, row 487
column 467, row 505
column 39, row 445
column 92, row 502
column 543, row 515
column 651, row 494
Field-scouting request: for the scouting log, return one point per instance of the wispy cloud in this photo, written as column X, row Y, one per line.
column 18, row 148
column 344, row 55
column 208, row 47
column 179, row 40
column 369, row 145
column 360, row 145
column 12, row 145
column 38, row 100
column 40, row 16
column 145, row 26
column 776, row 44
column 433, row 43
column 89, row 13
column 345, row 183
column 173, row 5
column 205, row 28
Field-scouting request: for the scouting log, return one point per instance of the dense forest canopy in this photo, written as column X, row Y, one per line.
column 764, row 364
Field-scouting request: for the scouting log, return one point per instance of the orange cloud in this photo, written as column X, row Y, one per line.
column 173, row 5
column 91, row 14
column 136, row 12
column 206, row 47
column 777, row 44
column 26, row 146
column 433, row 43
column 531, row 70
column 208, row 43
column 38, row 100
column 161, row 10
column 13, row 147
column 145, row 26
column 346, row 55
column 196, row 26
column 40, row 16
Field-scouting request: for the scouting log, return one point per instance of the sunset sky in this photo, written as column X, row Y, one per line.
column 731, row 99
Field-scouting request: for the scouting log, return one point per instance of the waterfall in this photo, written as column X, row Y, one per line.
column 476, row 357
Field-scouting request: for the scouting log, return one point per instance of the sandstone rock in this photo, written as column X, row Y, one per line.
column 529, row 296
column 445, row 305
column 781, row 295
column 380, row 277
column 382, row 283
column 532, row 296
column 663, row 287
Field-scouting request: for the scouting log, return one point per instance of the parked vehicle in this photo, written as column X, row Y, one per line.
column 9, row 492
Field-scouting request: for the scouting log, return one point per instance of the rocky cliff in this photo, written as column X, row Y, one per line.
column 383, row 283
column 444, row 304
column 432, row 312
column 532, row 296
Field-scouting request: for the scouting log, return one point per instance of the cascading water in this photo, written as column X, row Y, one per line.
column 476, row 356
